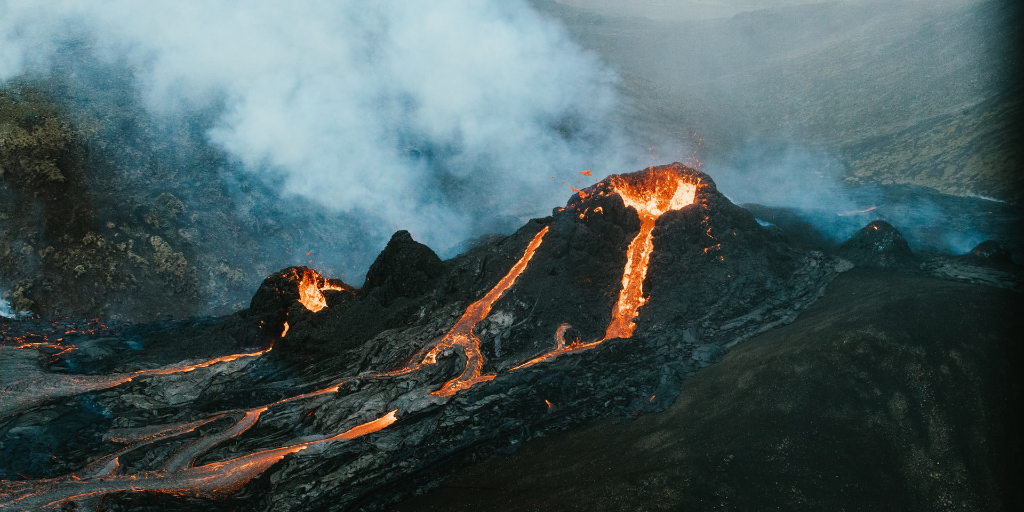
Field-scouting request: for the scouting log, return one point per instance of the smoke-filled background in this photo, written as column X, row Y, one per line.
column 161, row 158
column 446, row 118
column 336, row 122
column 832, row 114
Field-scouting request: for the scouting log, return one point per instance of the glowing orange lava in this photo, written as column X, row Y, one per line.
column 651, row 193
column 461, row 334
column 311, row 288
column 204, row 364
column 370, row 426
column 216, row 478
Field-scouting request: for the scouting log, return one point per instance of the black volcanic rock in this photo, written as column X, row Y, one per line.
column 275, row 295
column 917, row 412
column 405, row 268
column 277, row 299
column 991, row 253
column 879, row 245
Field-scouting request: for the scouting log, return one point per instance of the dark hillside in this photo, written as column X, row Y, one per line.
column 890, row 393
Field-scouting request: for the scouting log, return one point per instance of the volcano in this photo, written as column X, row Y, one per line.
column 323, row 396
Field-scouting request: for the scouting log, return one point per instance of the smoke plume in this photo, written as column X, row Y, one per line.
column 810, row 183
column 449, row 119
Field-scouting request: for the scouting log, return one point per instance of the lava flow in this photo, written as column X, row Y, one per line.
column 204, row 364
column 461, row 334
column 178, row 476
column 215, row 478
column 651, row 193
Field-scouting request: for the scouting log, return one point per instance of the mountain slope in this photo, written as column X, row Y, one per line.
column 878, row 84
column 891, row 393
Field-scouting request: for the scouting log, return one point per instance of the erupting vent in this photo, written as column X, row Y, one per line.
column 311, row 288
column 651, row 193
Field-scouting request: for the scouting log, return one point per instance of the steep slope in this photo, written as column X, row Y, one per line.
column 892, row 392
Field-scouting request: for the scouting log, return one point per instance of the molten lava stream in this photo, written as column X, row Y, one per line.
column 461, row 334
column 216, row 478
column 178, row 475
column 651, row 195
column 204, row 364
column 186, row 456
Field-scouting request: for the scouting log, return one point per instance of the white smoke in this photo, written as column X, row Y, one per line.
column 447, row 118
column 811, row 183
column 5, row 308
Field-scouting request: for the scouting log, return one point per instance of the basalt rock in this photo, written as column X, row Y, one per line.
column 879, row 245
column 405, row 268
column 989, row 253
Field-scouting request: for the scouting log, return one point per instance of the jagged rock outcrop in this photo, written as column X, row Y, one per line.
column 405, row 268
column 878, row 244
column 990, row 253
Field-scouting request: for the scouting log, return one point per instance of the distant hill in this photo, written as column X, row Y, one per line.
column 909, row 92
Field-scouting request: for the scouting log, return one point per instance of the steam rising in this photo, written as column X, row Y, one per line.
column 810, row 182
column 449, row 119
column 5, row 307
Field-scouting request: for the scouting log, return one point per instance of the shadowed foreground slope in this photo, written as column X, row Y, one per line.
column 892, row 392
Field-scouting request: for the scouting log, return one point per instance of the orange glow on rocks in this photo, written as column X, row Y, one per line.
column 651, row 193
column 204, row 364
column 312, row 285
column 310, row 294
column 370, row 426
column 213, row 479
column 461, row 334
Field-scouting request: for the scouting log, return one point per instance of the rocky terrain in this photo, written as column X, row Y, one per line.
column 323, row 396
column 895, row 391
column 107, row 211
column 176, row 333
column 534, row 333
